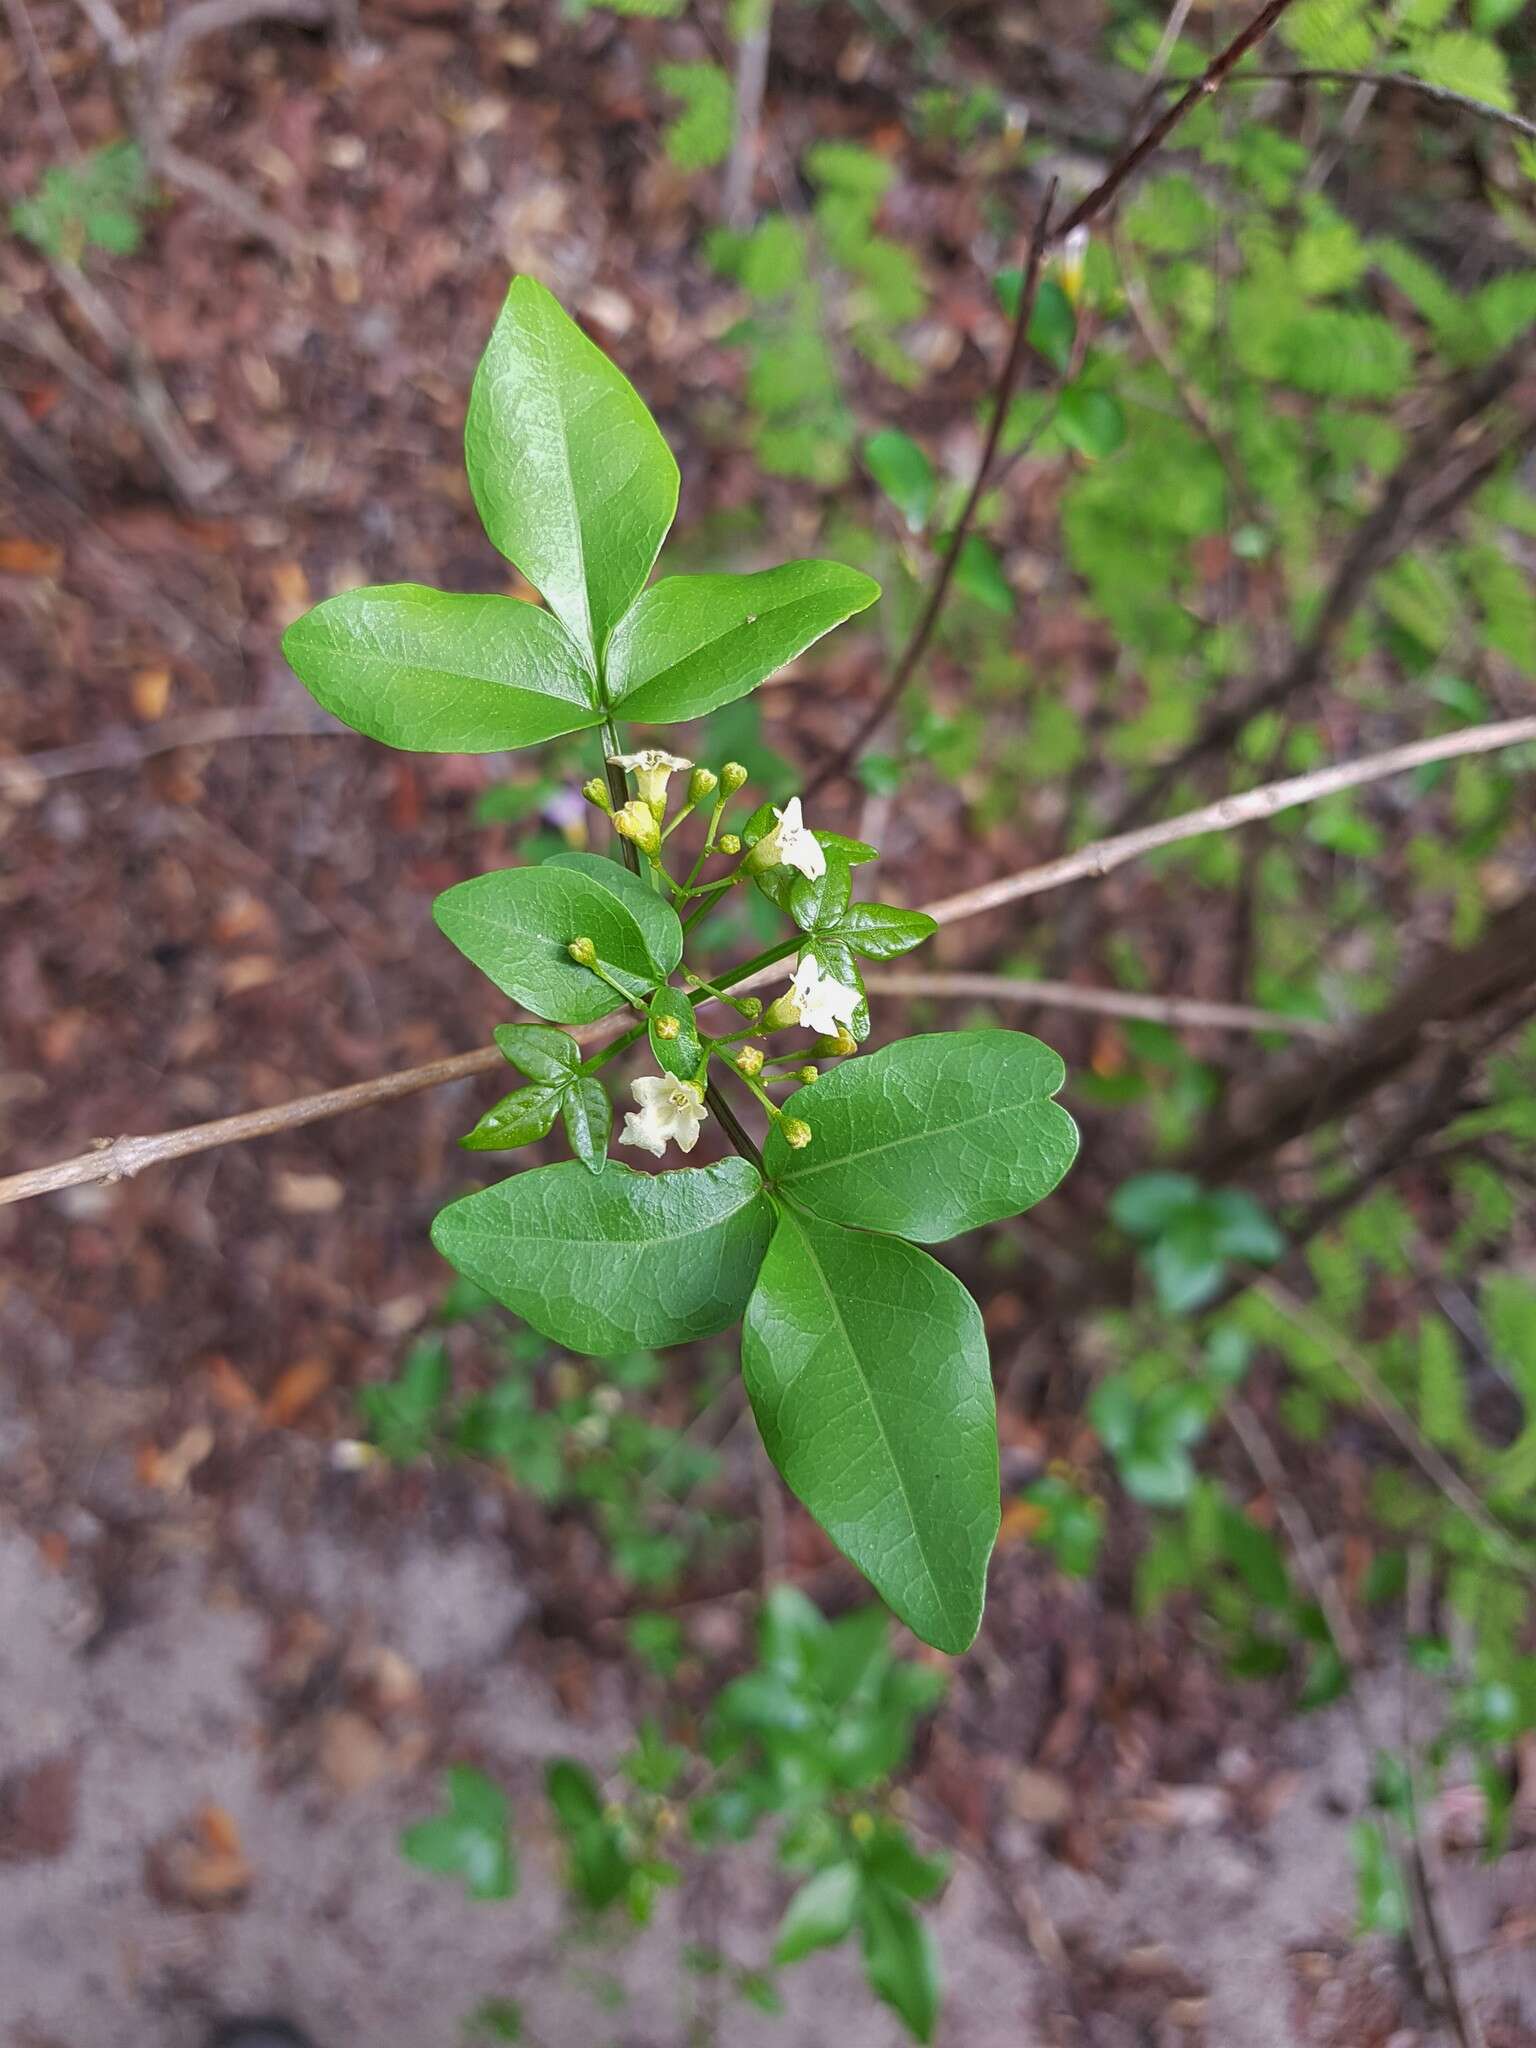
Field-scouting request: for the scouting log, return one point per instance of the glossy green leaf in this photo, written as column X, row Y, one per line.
column 614, row 1262
column 572, row 478
column 693, row 643
column 904, row 473
column 682, row 1052
column 588, row 1118
column 867, row 1370
column 900, row 1960
column 470, row 1841
column 930, row 1136
column 542, row 1053
column 820, row 1914
column 520, row 1118
column 879, row 931
column 440, row 673
column 655, row 917
column 517, row 923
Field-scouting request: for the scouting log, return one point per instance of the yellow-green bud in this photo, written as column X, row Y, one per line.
column 596, row 792
column 732, row 777
column 728, row 842
column 807, row 1074
column 701, row 783
column 781, row 1013
column 838, row 1047
column 749, row 1007
column 637, row 823
column 749, row 1060
column 583, row 952
column 665, row 1027
column 796, row 1134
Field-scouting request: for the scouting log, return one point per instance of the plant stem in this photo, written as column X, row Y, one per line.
column 732, row 1126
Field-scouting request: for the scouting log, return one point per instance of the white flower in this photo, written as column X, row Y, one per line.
column 824, row 1004
column 1074, row 258
column 791, row 844
column 669, row 1109
column 652, row 769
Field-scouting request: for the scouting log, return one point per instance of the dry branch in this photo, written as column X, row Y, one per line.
column 119, row 1158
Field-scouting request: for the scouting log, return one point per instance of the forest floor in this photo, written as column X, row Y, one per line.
column 228, row 1672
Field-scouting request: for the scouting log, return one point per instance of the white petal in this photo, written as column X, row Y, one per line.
column 641, row 1132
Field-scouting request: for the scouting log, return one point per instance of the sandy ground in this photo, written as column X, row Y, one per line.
column 199, row 1807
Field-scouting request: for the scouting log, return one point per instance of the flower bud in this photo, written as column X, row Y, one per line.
column 807, row 1074
column 732, row 777
column 839, row 1047
column 702, row 783
column 665, row 1027
column 728, row 842
column 596, row 792
column 637, row 823
column 797, row 1134
column 583, row 952
column 749, row 1060
column 749, row 1007
column 1074, row 257
column 781, row 1014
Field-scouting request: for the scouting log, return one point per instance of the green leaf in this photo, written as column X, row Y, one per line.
column 1092, row 422
column 588, row 1118
column 617, row 1262
column 572, row 478
column 867, row 1370
column 701, row 134
column 979, row 573
column 440, row 673
column 877, row 931
column 901, row 1961
column 930, row 1136
column 820, row 1914
column 681, row 1054
column 904, row 473
column 470, row 1841
column 1052, row 324
column 599, row 1869
column 517, row 923
column 693, row 643
column 520, row 1118
column 1463, row 63
column 543, row 1053
column 403, row 1416
column 1147, row 1204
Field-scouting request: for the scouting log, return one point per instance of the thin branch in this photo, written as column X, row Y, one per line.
column 1432, row 1463
column 747, row 114
column 1044, row 238
column 122, row 1157
column 938, row 590
column 1187, row 1011
column 1381, row 80
column 1098, row 860
column 44, row 91
column 1209, row 82
column 124, row 749
column 1421, row 493
column 1294, row 1519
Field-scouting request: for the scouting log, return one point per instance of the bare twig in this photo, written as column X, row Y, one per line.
column 747, row 115
column 122, row 1157
column 1432, row 1463
column 123, row 749
column 44, row 91
column 1187, row 1011
column 1310, row 1557
column 1422, row 492
column 938, row 590
column 1380, row 81
column 1045, row 237
column 1094, row 862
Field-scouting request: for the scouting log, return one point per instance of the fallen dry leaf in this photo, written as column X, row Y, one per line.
column 297, row 1389
column 149, row 692
column 20, row 556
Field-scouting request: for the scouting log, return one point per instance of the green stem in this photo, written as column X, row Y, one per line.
column 618, row 788
column 611, row 1052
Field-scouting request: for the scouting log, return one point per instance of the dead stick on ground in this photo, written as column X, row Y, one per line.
column 123, row 1157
